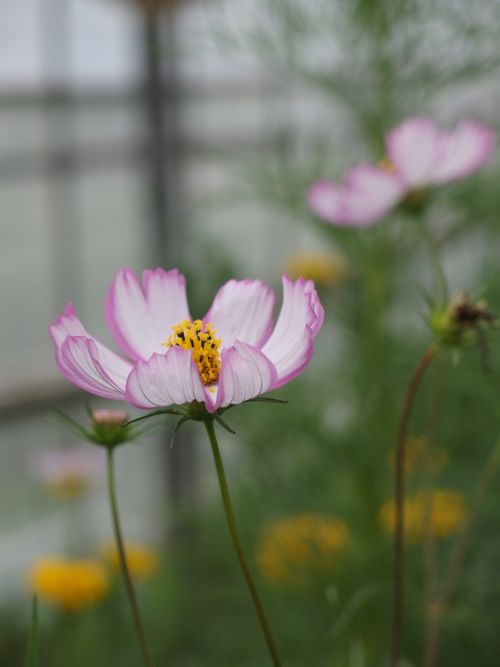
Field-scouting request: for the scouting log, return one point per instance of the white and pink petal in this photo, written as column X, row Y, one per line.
column 141, row 317
column 371, row 192
column 290, row 346
column 242, row 310
column 327, row 200
column 463, row 151
column 84, row 360
column 166, row 379
column 245, row 373
column 413, row 149
column 81, row 363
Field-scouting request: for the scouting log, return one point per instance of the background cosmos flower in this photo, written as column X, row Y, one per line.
column 419, row 155
column 68, row 473
column 232, row 355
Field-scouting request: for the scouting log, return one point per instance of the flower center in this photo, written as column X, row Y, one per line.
column 201, row 339
column 386, row 165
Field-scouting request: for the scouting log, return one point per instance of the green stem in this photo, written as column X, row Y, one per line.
column 233, row 529
column 32, row 651
column 399, row 493
column 127, row 579
column 440, row 287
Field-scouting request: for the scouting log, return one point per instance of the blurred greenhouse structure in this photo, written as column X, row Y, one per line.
column 185, row 134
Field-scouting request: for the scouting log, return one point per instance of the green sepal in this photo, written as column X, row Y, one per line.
column 156, row 413
column 267, row 399
column 196, row 411
column 224, row 424
column 177, row 429
column 81, row 430
column 102, row 435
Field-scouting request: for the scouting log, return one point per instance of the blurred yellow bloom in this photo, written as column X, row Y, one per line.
column 69, row 584
column 439, row 512
column 142, row 560
column 420, row 454
column 325, row 268
column 290, row 549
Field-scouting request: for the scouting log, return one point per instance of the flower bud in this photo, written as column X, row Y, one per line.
column 109, row 427
column 459, row 322
column 109, row 418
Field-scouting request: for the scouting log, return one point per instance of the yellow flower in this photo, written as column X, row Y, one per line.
column 325, row 268
column 291, row 549
column 142, row 560
column 69, row 584
column 439, row 512
column 420, row 454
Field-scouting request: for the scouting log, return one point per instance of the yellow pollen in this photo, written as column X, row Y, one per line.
column 201, row 340
column 387, row 166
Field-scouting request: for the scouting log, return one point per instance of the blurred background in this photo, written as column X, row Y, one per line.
column 185, row 133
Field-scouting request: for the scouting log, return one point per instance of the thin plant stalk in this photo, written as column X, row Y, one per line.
column 399, row 493
column 127, row 579
column 442, row 600
column 430, row 554
column 233, row 529
column 31, row 659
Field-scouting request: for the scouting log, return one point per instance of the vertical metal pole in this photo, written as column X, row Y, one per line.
column 162, row 106
column 156, row 144
column 61, row 170
column 162, row 101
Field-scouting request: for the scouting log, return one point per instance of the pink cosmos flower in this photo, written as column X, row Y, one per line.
column 231, row 355
column 419, row 155
column 68, row 472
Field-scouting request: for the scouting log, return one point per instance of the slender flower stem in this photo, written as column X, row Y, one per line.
column 399, row 492
column 127, row 579
column 233, row 529
column 430, row 554
column 442, row 599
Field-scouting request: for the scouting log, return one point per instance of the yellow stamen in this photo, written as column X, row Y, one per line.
column 387, row 166
column 201, row 340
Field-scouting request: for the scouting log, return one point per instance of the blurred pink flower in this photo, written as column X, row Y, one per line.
column 68, row 472
column 229, row 357
column 419, row 155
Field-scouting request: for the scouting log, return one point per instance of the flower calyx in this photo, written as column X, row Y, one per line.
column 197, row 412
column 107, row 428
column 193, row 411
column 110, row 428
column 461, row 322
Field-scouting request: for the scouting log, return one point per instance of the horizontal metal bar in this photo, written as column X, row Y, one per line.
column 105, row 97
column 37, row 164
column 21, row 400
